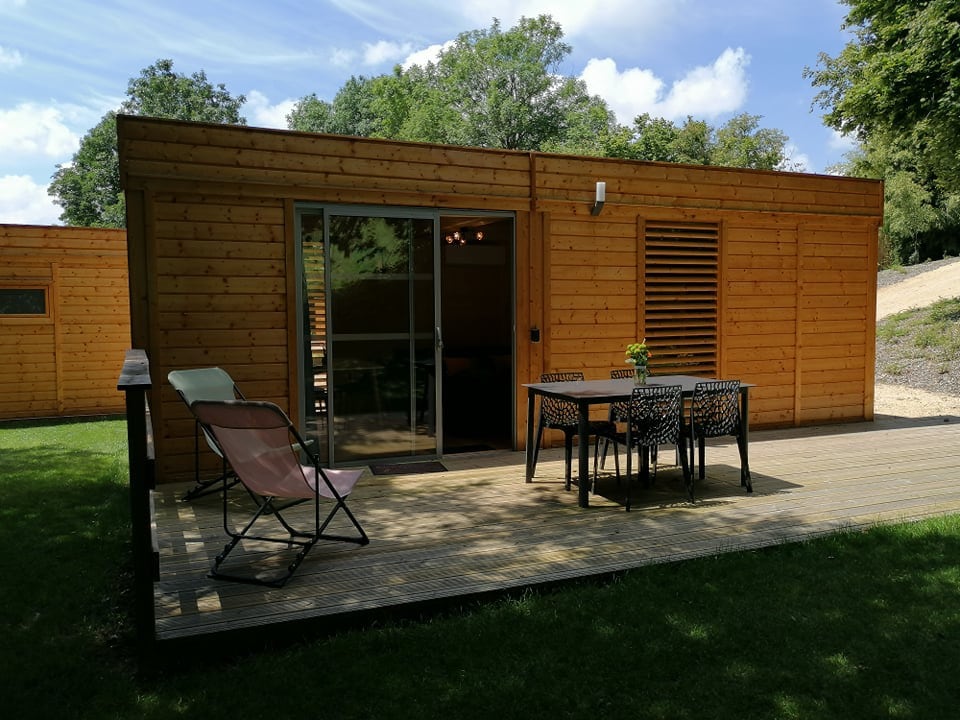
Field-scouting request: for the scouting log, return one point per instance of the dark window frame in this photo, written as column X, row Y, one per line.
column 12, row 289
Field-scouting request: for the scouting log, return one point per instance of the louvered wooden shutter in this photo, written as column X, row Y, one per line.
column 681, row 296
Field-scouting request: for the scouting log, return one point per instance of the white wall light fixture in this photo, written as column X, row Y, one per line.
column 600, row 198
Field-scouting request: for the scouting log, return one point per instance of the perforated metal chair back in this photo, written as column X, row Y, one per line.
column 556, row 413
column 655, row 414
column 620, row 410
column 656, row 418
column 715, row 409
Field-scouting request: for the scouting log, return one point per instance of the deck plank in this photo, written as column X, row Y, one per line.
column 479, row 528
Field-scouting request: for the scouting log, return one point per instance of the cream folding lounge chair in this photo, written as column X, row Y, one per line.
column 266, row 452
column 211, row 383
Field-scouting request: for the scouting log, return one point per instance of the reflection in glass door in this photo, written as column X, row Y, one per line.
column 369, row 333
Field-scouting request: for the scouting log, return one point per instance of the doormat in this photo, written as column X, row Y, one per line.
column 410, row 468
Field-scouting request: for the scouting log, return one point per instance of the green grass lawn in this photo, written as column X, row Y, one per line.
column 855, row 625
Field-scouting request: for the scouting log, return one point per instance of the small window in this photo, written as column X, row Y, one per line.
column 23, row 301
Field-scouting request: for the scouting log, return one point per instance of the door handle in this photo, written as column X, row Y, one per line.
column 439, row 338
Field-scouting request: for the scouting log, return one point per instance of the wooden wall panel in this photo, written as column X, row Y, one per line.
column 66, row 363
column 760, row 314
column 592, row 297
column 836, row 322
column 211, row 215
column 220, row 300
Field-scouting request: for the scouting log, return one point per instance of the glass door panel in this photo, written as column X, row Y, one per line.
column 381, row 320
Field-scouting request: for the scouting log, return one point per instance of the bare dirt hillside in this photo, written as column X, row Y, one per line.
column 917, row 287
column 919, row 290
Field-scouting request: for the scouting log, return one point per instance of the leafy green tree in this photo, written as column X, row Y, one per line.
column 311, row 114
column 656, row 139
column 162, row 93
column 591, row 130
column 741, row 142
column 908, row 214
column 88, row 188
column 694, row 142
column 896, row 87
column 897, row 83
column 504, row 87
column 490, row 88
column 920, row 218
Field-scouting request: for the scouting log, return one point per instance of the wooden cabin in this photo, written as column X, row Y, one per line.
column 64, row 319
column 394, row 297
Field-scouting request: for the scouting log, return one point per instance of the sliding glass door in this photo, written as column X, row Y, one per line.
column 370, row 332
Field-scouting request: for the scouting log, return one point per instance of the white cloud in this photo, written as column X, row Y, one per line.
column 706, row 91
column 342, row 58
column 260, row 113
column 576, row 17
column 31, row 129
column 427, row 55
column 840, row 142
column 24, row 202
column 372, row 55
column 9, row 59
column 796, row 161
column 384, row 52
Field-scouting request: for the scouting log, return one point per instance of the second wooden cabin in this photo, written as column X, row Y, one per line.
column 394, row 297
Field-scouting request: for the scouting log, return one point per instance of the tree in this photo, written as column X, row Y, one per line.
column 896, row 87
column 490, row 88
column 311, row 114
column 88, row 188
column 162, row 93
column 898, row 82
column 504, row 88
column 741, row 142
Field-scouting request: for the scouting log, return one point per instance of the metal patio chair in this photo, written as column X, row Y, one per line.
column 556, row 414
column 715, row 412
column 618, row 414
column 655, row 417
column 272, row 461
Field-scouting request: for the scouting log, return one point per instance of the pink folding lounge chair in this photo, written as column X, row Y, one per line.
column 273, row 462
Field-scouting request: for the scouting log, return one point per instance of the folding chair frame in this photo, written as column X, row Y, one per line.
column 269, row 505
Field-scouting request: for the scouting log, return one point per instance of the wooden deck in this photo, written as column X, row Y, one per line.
column 479, row 529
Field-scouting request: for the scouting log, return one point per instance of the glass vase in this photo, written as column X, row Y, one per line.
column 640, row 374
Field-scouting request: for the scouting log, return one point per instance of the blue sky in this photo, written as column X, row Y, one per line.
column 65, row 63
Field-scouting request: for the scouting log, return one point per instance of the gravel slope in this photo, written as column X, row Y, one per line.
column 921, row 388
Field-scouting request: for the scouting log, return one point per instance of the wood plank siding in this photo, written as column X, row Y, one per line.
column 764, row 276
column 63, row 361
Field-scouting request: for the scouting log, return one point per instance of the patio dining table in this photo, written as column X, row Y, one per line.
column 596, row 392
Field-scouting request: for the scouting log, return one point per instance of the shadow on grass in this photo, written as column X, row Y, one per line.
column 855, row 625
column 64, row 530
